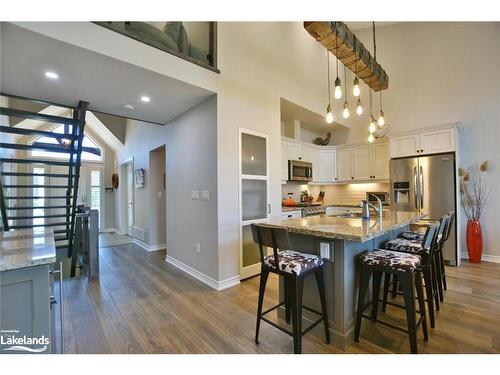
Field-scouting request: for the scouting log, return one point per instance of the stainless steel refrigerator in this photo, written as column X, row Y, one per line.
column 427, row 184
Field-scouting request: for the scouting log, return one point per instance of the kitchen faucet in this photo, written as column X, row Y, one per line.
column 365, row 205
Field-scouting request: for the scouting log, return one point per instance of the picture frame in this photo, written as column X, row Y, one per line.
column 139, row 178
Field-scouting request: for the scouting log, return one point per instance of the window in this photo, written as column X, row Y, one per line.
column 39, row 192
column 95, row 190
column 86, row 156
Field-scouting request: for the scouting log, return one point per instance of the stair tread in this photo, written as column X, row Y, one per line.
column 37, row 116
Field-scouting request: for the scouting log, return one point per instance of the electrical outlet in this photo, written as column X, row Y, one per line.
column 324, row 250
column 205, row 195
column 195, row 194
column 198, row 248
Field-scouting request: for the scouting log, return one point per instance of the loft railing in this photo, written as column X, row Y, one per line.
column 195, row 42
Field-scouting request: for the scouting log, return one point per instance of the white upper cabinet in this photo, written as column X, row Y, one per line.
column 380, row 161
column 326, row 170
column 405, row 145
column 314, row 158
column 423, row 143
column 284, row 161
column 362, row 163
column 294, row 151
column 344, row 165
column 434, row 142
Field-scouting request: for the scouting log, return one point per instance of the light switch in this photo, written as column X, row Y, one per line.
column 195, row 194
column 205, row 195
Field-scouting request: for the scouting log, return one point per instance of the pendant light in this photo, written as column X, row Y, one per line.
column 381, row 120
column 345, row 112
column 355, row 85
column 329, row 112
column 359, row 107
column 371, row 126
column 337, row 93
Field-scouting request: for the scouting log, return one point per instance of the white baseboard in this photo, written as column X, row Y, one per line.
column 484, row 257
column 214, row 284
column 147, row 247
column 108, row 230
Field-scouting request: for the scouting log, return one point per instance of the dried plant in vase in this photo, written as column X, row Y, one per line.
column 475, row 190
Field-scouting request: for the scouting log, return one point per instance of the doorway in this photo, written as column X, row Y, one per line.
column 157, row 198
column 127, row 195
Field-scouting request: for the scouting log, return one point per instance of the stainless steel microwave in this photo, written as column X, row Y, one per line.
column 299, row 171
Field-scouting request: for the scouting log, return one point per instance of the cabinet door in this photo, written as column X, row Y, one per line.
column 294, row 151
column 380, row 161
column 284, row 161
column 407, row 145
column 326, row 170
column 434, row 142
column 361, row 163
column 344, row 165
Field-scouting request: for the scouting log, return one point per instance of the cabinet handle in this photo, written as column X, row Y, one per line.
column 300, row 158
column 422, row 150
column 60, row 272
column 352, row 178
column 418, row 151
column 336, row 178
column 289, row 216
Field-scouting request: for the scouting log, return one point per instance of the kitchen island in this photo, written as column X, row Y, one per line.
column 340, row 241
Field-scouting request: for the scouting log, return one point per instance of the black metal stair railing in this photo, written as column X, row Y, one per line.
column 70, row 142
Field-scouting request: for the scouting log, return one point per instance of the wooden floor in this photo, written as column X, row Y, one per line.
column 143, row 305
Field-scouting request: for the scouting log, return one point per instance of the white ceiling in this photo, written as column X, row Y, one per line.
column 106, row 83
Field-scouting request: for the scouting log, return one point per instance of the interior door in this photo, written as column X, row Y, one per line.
column 254, row 196
column 130, row 198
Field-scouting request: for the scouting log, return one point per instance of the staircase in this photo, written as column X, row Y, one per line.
column 20, row 176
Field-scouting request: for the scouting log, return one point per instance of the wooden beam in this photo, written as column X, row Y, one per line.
column 337, row 38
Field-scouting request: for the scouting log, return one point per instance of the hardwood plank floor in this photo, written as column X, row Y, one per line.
column 141, row 304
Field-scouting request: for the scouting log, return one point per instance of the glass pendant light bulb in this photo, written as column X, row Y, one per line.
column 371, row 138
column 329, row 114
column 372, row 127
column 359, row 107
column 355, row 88
column 345, row 112
column 381, row 120
column 337, row 94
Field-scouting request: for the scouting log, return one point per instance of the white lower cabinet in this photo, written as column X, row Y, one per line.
column 291, row 214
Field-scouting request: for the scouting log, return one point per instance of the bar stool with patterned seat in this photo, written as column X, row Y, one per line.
column 293, row 267
column 407, row 267
column 411, row 242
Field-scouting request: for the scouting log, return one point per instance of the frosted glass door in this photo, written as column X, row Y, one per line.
column 254, row 197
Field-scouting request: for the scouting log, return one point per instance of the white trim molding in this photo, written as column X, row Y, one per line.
column 214, row 284
column 108, row 230
column 147, row 247
column 484, row 257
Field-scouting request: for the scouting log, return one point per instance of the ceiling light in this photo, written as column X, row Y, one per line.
column 381, row 120
column 51, row 75
column 128, row 107
column 145, row 99
column 355, row 88
column 329, row 114
column 345, row 112
column 371, row 138
column 372, row 127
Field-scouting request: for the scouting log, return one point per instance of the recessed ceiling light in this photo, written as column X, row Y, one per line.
column 51, row 75
column 145, row 99
column 128, row 107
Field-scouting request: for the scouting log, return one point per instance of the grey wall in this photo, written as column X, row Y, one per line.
column 192, row 165
column 116, row 125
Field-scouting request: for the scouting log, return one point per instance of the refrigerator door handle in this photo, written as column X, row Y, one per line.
column 415, row 184
column 421, row 178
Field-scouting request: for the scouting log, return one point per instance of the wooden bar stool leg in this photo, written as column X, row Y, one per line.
column 264, row 273
column 287, row 299
column 428, row 294
column 439, row 276
column 364, row 281
column 407, row 282
column 387, row 282
column 297, row 314
column 377, row 278
column 435, row 292
column 321, row 288
column 421, row 303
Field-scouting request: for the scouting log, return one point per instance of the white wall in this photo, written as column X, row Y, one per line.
column 440, row 73
column 157, row 197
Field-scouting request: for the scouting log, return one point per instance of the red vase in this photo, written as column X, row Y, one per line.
column 474, row 241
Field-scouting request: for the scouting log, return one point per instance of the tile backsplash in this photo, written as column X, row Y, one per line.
column 335, row 194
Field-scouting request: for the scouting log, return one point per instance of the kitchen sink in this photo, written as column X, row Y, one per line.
column 349, row 215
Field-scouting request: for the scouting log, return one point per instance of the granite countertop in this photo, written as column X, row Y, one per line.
column 22, row 248
column 349, row 228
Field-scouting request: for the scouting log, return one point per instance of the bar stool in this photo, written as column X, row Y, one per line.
column 406, row 266
column 294, row 267
column 428, row 268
